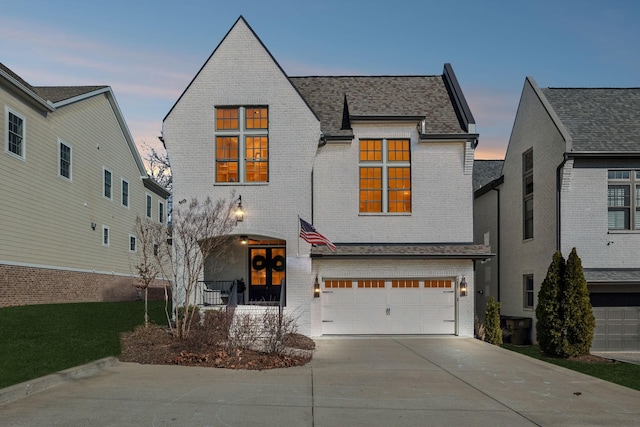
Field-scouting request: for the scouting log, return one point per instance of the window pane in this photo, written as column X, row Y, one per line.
column 227, row 159
column 107, row 184
column 16, row 134
column 528, row 185
column 619, row 219
column 125, row 193
column 226, row 118
column 618, row 174
column 528, row 219
column 370, row 189
column 65, row 161
column 399, row 189
column 149, row 206
column 618, row 195
column 258, row 171
column 257, row 118
column 370, row 150
column 398, row 150
column 257, row 148
column 527, row 161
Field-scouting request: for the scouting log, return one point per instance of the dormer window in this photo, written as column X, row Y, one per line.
column 242, row 130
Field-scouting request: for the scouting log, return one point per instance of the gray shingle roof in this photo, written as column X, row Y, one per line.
column 600, row 119
column 409, row 250
column 604, row 275
column 380, row 96
column 485, row 171
column 60, row 93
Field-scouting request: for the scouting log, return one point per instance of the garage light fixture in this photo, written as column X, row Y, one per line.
column 463, row 287
column 316, row 288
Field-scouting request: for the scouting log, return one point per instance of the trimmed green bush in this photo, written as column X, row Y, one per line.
column 493, row 332
column 566, row 323
column 548, row 311
column 579, row 322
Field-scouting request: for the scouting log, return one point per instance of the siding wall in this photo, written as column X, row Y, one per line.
column 46, row 220
column 533, row 127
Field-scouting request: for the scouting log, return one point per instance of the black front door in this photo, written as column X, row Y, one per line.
column 268, row 271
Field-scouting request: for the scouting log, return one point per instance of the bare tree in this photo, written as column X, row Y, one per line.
column 158, row 166
column 198, row 232
column 148, row 234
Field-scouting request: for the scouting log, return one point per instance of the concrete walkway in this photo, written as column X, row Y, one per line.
column 392, row 381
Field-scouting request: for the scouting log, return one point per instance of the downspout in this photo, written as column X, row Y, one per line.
column 497, row 190
column 558, row 202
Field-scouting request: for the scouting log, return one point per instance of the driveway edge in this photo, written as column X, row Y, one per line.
column 36, row 385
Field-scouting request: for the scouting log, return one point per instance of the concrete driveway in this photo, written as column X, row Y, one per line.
column 362, row 381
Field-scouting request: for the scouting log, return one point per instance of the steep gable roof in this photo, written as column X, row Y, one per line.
column 485, row 171
column 380, row 97
column 598, row 119
column 61, row 93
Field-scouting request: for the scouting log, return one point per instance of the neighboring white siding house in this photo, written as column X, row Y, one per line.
column 72, row 186
column 575, row 154
column 381, row 166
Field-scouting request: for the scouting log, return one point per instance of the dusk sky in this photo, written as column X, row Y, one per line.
column 148, row 51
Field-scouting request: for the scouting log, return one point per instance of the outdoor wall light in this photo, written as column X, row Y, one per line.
column 239, row 212
column 463, row 287
column 93, row 226
column 244, row 239
column 316, row 288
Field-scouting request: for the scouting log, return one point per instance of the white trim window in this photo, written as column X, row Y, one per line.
column 106, row 238
column 242, row 144
column 133, row 243
column 125, row 193
column 149, row 206
column 623, row 200
column 527, row 195
column 15, row 138
column 527, row 291
column 107, row 183
column 385, row 175
column 160, row 212
column 64, row 160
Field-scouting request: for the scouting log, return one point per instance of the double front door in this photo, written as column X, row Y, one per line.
column 268, row 270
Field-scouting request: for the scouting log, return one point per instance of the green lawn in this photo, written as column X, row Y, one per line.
column 626, row 374
column 37, row 340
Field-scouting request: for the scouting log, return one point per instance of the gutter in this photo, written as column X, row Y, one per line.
column 558, row 202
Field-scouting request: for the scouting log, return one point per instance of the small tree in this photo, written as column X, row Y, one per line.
column 492, row 322
column 148, row 270
column 198, row 232
column 548, row 311
column 158, row 166
column 579, row 322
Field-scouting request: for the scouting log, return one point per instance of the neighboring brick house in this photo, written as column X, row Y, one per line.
column 571, row 178
column 72, row 186
column 381, row 166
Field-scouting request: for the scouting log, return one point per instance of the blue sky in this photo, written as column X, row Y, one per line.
column 148, row 51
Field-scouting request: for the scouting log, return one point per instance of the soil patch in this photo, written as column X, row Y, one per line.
column 155, row 345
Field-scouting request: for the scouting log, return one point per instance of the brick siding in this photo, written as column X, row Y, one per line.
column 30, row 285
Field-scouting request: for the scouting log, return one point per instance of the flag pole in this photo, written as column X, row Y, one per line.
column 298, row 254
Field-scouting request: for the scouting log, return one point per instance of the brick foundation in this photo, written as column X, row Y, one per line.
column 29, row 285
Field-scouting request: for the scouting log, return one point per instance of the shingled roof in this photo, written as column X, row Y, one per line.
column 599, row 119
column 381, row 97
column 61, row 93
column 409, row 250
column 485, row 171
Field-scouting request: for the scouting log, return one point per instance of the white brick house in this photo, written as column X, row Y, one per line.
column 380, row 165
column 571, row 178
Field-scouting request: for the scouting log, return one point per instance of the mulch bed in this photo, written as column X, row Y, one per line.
column 155, row 345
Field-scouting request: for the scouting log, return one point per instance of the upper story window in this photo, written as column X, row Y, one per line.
column 385, row 175
column 623, row 200
column 64, row 161
column 149, row 208
column 15, row 134
column 125, row 193
column 107, row 183
column 160, row 212
column 527, row 195
column 242, row 144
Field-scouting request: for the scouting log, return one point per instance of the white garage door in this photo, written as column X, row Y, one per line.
column 617, row 329
column 388, row 306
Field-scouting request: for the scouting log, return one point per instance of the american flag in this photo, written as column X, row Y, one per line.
column 311, row 235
